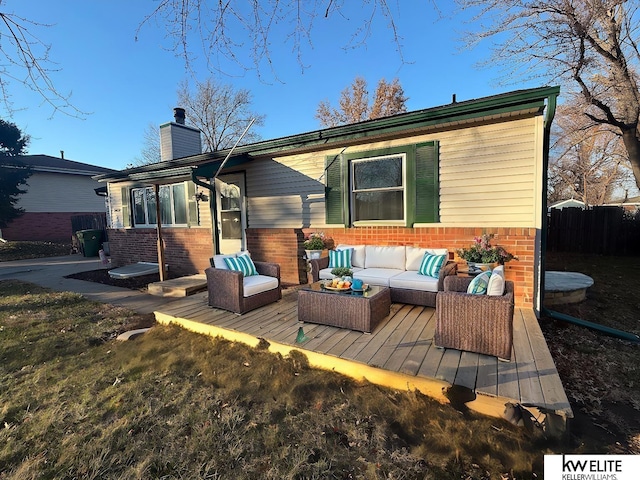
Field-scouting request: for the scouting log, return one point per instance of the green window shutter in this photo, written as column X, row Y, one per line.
column 192, row 205
column 126, row 206
column 427, row 195
column 335, row 194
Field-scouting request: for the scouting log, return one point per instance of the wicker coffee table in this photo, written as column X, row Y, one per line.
column 361, row 311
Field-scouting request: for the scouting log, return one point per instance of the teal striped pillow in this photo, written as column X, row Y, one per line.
column 243, row 264
column 340, row 258
column 478, row 285
column 431, row 265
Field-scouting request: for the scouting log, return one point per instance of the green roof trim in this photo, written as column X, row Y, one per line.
column 530, row 101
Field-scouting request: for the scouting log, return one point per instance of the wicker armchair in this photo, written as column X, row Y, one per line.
column 475, row 323
column 226, row 288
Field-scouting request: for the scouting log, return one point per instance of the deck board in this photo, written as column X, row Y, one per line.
column 467, row 370
column 528, row 379
column 402, row 343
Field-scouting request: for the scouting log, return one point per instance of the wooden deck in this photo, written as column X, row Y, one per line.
column 399, row 353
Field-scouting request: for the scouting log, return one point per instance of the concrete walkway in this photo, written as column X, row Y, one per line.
column 50, row 273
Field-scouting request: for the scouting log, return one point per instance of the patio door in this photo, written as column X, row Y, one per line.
column 231, row 210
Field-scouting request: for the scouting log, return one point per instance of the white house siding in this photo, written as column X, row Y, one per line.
column 287, row 192
column 490, row 175
column 57, row 192
column 115, row 205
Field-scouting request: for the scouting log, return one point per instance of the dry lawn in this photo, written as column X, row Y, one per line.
column 601, row 374
column 75, row 403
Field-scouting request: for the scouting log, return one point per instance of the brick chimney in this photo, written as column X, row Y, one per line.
column 178, row 140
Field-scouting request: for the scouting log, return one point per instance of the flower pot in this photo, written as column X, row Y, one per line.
column 482, row 266
column 313, row 254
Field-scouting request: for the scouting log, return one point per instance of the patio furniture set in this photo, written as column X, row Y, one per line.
column 464, row 321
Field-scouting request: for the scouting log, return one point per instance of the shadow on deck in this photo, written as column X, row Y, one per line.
column 398, row 354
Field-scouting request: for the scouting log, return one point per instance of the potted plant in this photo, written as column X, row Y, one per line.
column 481, row 254
column 314, row 245
column 342, row 272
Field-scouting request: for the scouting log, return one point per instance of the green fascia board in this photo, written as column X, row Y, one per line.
column 208, row 170
column 534, row 99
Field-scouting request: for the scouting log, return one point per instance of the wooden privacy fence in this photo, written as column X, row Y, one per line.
column 600, row 230
column 93, row 221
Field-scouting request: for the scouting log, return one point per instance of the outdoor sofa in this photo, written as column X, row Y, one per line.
column 395, row 267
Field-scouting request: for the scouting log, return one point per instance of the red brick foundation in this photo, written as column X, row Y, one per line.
column 187, row 250
column 284, row 246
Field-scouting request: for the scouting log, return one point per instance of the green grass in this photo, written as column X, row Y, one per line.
column 25, row 250
column 74, row 403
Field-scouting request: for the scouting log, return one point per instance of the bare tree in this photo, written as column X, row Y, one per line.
column 150, row 152
column 589, row 161
column 591, row 47
column 24, row 59
column 244, row 33
column 220, row 112
column 354, row 104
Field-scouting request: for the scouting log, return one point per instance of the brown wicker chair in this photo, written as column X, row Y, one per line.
column 226, row 288
column 475, row 323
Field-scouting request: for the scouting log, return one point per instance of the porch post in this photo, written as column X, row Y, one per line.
column 156, row 191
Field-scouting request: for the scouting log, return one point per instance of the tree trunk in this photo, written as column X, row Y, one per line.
column 632, row 144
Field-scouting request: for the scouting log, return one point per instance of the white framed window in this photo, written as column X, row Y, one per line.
column 378, row 188
column 173, row 206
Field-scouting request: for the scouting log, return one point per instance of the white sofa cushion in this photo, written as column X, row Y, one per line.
column 385, row 257
column 325, row 273
column 258, row 284
column 357, row 255
column 416, row 254
column 377, row 276
column 219, row 263
column 411, row 280
column 496, row 282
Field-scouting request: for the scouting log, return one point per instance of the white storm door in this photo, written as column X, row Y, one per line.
column 231, row 210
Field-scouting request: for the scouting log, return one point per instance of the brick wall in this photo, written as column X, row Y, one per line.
column 41, row 226
column 277, row 245
column 187, row 250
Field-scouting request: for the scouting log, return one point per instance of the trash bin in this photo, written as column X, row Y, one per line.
column 90, row 242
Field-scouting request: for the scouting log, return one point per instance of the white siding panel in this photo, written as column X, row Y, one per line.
column 489, row 175
column 287, row 192
column 58, row 192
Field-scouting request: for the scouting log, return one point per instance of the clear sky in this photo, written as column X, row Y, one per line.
column 126, row 84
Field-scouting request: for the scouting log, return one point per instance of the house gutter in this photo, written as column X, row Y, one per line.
column 613, row 332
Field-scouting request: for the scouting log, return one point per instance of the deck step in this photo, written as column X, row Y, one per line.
column 179, row 287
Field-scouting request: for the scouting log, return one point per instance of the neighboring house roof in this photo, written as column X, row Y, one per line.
column 520, row 103
column 634, row 201
column 46, row 163
column 569, row 203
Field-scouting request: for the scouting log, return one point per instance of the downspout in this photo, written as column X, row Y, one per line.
column 212, row 206
column 550, row 113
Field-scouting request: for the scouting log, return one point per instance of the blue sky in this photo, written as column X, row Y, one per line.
column 127, row 84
